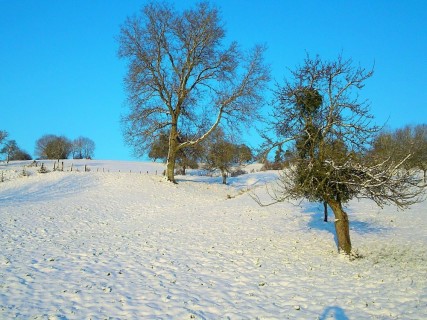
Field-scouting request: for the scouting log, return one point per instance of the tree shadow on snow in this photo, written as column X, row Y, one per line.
column 39, row 191
column 316, row 222
column 333, row 312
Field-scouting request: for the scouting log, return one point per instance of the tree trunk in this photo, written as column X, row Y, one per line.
column 224, row 177
column 170, row 168
column 325, row 211
column 342, row 227
column 170, row 165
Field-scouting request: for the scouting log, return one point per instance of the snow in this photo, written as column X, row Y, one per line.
column 120, row 243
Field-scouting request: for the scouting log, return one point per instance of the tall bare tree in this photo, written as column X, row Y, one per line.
column 320, row 111
column 183, row 78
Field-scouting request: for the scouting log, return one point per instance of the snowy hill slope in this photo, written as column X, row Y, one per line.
column 129, row 245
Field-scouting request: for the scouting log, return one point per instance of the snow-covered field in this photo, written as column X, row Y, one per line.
column 106, row 244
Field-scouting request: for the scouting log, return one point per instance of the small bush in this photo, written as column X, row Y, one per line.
column 238, row 172
column 43, row 169
column 33, row 164
column 25, row 173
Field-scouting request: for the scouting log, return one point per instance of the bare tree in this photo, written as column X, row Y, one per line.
column 222, row 154
column 53, row 147
column 3, row 135
column 384, row 145
column 83, row 148
column 244, row 154
column 320, row 111
column 160, row 147
column 413, row 140
column 420, row 141
column 185, row 158
column 9, row 148
column 20, row 154
column 182, row 78
column 401, row 142
column 41, row 144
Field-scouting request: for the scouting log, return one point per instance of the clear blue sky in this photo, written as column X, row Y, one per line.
column 60, row 74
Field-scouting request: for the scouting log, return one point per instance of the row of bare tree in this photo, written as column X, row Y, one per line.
column 217, row 152
column 394, row 144
column 60, row 147
column 48, row 147
column 397, row 144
